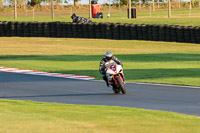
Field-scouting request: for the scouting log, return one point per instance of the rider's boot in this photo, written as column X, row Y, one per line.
column 106, row 80
column 107, row 83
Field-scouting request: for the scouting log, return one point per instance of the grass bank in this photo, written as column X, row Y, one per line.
column 144, row 61
column 27, row 116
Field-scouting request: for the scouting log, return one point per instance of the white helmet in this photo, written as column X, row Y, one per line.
column 108, row 55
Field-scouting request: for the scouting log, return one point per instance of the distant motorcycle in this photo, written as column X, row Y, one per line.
column 115, row 76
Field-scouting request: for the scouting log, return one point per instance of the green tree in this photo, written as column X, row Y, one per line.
column 125, row 2
column 36, row 2
column 75, row 2
column 193, row 3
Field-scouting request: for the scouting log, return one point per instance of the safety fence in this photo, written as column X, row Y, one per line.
column 118, row 31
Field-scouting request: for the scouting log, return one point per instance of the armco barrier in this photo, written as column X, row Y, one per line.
column 117, row 31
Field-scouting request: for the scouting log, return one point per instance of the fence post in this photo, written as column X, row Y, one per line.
column 199, row 3
column 90, row 11
column 52, row 9
column 15, row 12
column 33, row 12
column 153, row 5
column 169, row 9
column 190, row 8
column 129, row 9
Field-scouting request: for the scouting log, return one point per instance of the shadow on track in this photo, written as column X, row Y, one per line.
column 63, row 95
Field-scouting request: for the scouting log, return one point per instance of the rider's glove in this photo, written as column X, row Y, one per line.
column 103, row 71
column 120, row 64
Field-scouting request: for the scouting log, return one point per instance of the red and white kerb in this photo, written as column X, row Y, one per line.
column 70, row 76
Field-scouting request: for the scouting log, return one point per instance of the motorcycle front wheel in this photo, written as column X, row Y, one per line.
column 121, row 85
column 116, row 91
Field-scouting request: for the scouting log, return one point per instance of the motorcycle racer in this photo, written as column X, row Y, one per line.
column 108, row 56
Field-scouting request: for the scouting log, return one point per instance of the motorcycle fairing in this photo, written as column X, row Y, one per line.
column 114, row 70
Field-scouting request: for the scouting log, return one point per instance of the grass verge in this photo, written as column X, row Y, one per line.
column 36, row 117
column 179, row 17
column 144, row 61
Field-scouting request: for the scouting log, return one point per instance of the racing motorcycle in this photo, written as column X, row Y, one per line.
column 115, row 76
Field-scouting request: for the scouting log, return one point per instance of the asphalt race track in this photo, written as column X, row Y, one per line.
column 179, row 99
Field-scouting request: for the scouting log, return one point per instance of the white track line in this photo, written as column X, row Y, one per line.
column 32, row 72
column 81, row 77
column 154, row 84
column 168, row 85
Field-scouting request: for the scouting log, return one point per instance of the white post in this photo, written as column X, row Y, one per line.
column 169, row 9
column 129, row 11
column 153, row 5
column 190, row 7
column 70, row 11
column 119, row 4
column 33, row 12
column 52, row 9
column 90, row 10
column 199, row 3
column 109, row 10
column 25, row 2
column 15, row 12
column 150, row 10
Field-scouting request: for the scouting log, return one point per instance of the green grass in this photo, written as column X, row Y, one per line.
column 144, row 61
column 155, row 62
column 35, row 117
column 179, row 17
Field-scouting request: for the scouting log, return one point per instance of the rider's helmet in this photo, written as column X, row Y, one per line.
column 108, row 55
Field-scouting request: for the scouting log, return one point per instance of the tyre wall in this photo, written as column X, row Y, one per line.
column 117, row 31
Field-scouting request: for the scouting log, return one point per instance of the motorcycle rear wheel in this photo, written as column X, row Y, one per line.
column 121, row 85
